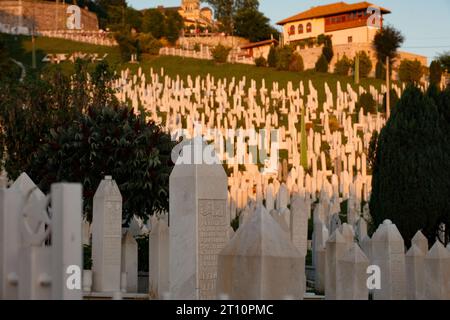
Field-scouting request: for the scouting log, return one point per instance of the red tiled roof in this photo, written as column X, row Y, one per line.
column 330, row 9
column 259, row 44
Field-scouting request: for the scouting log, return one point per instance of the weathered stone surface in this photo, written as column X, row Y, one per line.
column 389, row 254
column 107, row 237
column 415, row 285
column 198, row 224
column 260, row 262
column 437, row 273
column 351, row 281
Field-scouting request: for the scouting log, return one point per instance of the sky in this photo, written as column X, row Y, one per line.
column 425, row 24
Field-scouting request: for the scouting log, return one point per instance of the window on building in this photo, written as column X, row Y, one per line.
column 308, row 27
column 292, row 30
column 350, row 39
column 300, row 28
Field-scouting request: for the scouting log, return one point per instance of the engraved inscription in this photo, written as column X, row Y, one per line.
column 212, row 237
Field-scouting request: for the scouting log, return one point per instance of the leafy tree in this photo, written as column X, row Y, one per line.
column 8, row 70
column 133, row 18
column 386, row 42
column 153, row 22
column 272, row 57
column 110, row 141
column 321, row 64
column 365, row 64
column 410, row 71
column 246, row 4
column 223, row 12
column 343, row 66
column 410, row 184
column 128, row 45
column 380, row 71
column 435, row 73
column 174, row 26
column 31, row 109
column 444, row 59
column 113, row 14
column 148, row 44
column 251, row 24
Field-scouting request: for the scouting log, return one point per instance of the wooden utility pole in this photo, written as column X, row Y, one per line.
column 357, row 68
column 388, row 86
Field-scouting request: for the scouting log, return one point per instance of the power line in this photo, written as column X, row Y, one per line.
column 426, row 47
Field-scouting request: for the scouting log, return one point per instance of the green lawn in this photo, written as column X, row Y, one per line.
column 173, row 66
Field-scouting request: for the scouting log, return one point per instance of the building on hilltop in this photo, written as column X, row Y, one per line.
column 26, row 15
column 351, row 27
column 345, row 23
column 193, row 14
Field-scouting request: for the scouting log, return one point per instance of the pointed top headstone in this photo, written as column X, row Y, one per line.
column 420, row 241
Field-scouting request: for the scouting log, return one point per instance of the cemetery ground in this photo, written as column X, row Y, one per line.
column 302, row 226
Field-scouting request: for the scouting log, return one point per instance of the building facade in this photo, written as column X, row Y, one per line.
column 352, row 28
column 345, row 23
column 193, row 14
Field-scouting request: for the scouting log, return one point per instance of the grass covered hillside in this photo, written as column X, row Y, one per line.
column 21, row 48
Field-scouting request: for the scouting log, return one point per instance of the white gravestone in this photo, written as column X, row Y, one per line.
column 260, row 262
column 130, row 262
column 34, row 256
column 10, row 203
column 159, row 259
column 299, row 223
column 335, row 248
column 420, row 241
column 66, row 241
column 415, row 285
column 351, row 281
column 388, row 252
column 198, row 224
column 437, row 273
column 107, row 237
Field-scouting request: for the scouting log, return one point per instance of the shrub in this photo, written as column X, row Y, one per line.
column 367, row 102
column 272, row 57
column 296, row 63
column 435, row 73
column 410, row 71
column 321, row 64
column 261, row 62
column 148, row 44
column 284, row 57
column 365, row 64
column 220, row 53
column 343, row 66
